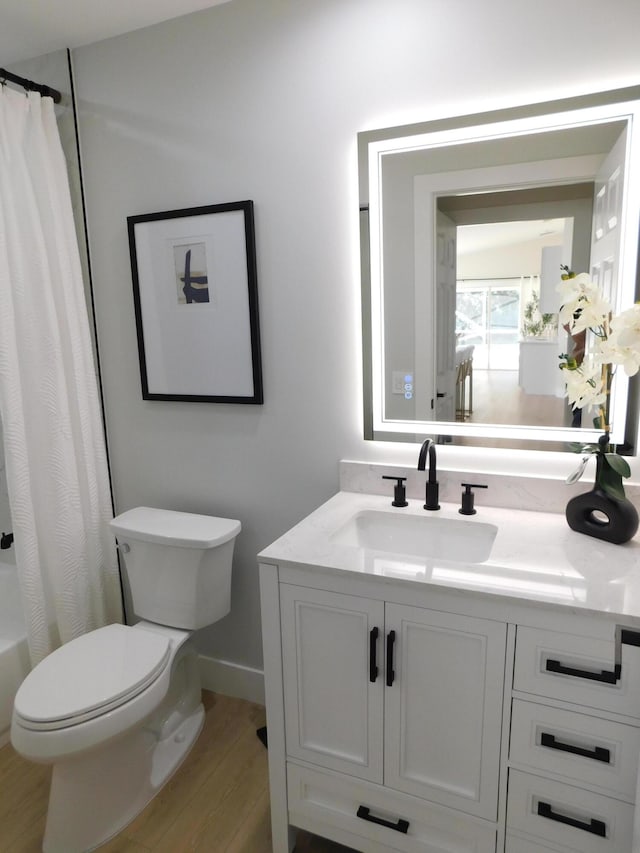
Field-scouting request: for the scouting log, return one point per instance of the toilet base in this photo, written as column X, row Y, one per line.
column 94, row 797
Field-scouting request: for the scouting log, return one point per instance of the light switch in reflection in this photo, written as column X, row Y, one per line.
column 401, row 382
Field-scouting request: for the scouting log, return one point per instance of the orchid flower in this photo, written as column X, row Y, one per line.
column 622, row 346
column 585, row 387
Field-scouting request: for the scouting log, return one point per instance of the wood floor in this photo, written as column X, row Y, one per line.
column 217, row 802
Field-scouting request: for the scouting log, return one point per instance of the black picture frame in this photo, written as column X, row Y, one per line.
column 195, row 292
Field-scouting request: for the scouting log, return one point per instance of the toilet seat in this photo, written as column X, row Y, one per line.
column 90, row 676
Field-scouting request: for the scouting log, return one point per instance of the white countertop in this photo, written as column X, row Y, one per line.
column 535, row 556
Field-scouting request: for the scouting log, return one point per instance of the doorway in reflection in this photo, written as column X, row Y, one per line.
column 507, row 341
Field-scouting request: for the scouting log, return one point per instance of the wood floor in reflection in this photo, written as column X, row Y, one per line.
column 498, row 399
column 217, row 802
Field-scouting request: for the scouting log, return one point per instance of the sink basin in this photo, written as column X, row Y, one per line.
column 421, row 536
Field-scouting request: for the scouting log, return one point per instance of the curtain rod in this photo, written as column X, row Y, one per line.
column 30, row 86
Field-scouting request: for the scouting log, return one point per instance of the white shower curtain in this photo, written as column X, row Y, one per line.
column 53, row 439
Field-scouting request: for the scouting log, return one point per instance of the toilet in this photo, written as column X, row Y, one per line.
column 116, row 710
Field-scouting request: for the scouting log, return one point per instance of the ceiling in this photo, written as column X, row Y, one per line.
column 30, row 28
column 495, row 236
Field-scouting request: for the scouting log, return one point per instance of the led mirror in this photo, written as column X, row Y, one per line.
column 465, row 225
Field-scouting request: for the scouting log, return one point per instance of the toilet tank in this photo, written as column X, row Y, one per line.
column 177, row 564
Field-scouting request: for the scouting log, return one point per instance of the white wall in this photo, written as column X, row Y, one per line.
column 508, row 262
column 262, row 100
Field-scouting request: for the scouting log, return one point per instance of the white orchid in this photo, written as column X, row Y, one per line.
column 582, row 305
column 588, row 375
column 585, row 387
column 623, row 343
column 575, row 286
column 617, row 342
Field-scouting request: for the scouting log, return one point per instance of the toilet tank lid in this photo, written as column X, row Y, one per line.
column 168, row 527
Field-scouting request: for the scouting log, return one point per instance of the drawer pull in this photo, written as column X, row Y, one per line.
column 400, row 826
column 596, row 827
column 391, row 638
column 604, row 675
column 598, row 753
column 373, row 645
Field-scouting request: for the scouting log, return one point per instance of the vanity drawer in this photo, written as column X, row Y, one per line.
column 584, row 750
column 320, row 798
column 577, row 669
column 572, row 817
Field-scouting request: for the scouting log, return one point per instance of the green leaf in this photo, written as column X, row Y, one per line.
column 619, row 464
column 610, row 480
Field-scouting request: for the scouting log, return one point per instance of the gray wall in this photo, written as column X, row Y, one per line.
column 262, row 100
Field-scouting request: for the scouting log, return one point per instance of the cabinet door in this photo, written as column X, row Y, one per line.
column 333, row 710
column 443, row 710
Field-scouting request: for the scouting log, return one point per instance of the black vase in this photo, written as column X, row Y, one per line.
column 596, row 513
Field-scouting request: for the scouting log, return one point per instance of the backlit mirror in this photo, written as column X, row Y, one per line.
column 465, row 224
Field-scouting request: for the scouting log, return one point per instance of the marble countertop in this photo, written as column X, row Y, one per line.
column 535, row 556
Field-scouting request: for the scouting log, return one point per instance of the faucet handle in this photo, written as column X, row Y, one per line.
column 467, row 498
column 399, row 491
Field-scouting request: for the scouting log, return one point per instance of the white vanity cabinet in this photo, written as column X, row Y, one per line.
column 392, row 718
column 430, row 707
column 396, row 726
column 398, row 695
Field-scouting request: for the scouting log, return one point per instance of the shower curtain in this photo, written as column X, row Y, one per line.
column 55, row 454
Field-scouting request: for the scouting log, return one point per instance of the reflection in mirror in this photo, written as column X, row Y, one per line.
column 465, row 227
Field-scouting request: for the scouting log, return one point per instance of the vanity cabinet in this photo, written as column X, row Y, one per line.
column 391, row 718
column 406, row 719
column 401, row 696
column 420, row 703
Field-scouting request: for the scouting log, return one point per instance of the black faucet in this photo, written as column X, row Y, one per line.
column 432, row 488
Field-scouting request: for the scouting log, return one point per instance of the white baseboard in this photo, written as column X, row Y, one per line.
column 232, row 679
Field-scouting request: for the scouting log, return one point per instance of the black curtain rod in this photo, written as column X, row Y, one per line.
column 30, row 86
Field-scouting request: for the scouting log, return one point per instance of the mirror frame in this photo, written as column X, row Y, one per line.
column 620, row 104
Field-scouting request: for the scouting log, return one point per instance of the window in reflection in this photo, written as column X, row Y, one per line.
column 488, row 318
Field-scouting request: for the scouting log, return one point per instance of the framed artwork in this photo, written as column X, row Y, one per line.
column 196, row 304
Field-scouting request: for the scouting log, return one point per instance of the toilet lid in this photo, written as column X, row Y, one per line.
column 90, row 675
column 168, row 527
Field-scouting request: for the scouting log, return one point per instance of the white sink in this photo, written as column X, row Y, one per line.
column 428, row 536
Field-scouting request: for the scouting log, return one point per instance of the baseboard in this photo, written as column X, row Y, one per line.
column 232, row 679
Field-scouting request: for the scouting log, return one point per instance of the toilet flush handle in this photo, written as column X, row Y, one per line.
column 123, row 547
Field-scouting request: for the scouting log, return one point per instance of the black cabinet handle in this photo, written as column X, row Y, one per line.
column 400, row 826
column 604, row 675
column 373, row 645
column 598, row 753
column 391, row 638
column 595, row 827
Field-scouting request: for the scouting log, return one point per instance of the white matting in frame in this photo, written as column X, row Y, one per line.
column 196, row 303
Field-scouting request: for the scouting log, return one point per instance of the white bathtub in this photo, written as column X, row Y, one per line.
column 14, row 653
